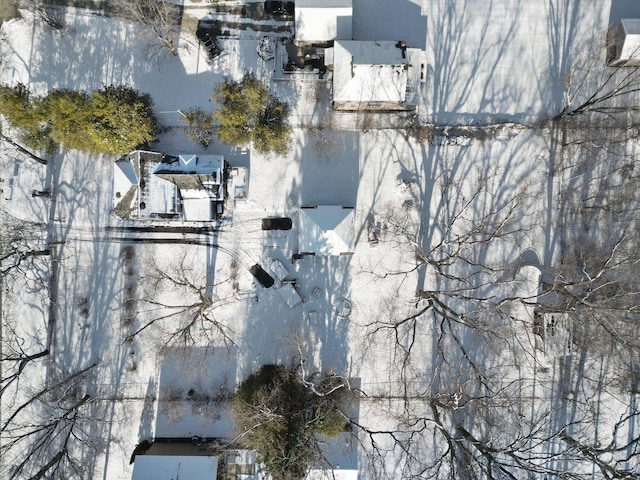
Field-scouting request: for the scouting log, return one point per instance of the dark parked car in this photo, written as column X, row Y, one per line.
column 282, row 223
column 279, row 8
column 262, row 276
column 208, row 38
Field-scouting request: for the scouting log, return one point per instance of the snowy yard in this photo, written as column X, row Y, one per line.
column 463, row 216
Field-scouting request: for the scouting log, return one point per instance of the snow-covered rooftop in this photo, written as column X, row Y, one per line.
column 321, row 21
column 170, row 467
column 191, row 164
column 153, row 185
column 327, row 230
column 126, row 176
column 369, row 72
column 624, row 41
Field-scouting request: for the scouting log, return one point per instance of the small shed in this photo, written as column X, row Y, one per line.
column 623, row 43
column 327, row 230
column 320, row 21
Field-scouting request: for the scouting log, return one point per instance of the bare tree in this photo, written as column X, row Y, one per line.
column 454, row 249
column 278, row 415
column 20, row 247
column 16, row 356
column 597, row 281
column 23, row 150
column 45, row 432
column 160, row 18
column 178, row 299
column 46, row 12
column 200, row 126
column 481, row 411
column 20, row 242
column 487, row 405
column 594, row 87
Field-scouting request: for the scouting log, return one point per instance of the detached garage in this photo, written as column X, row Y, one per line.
column 327, row 230
column 320, row 21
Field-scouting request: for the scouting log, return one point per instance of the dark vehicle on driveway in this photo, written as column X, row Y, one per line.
column 208, row 38
column 279, row 8
column 281, row 223
column 262, row 276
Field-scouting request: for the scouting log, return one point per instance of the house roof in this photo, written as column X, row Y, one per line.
column 631, row 42
column 172, row 467
column 191, row 172
column 130, row 187
column 321, row 21
column 127, row 173
column 150, row 184
column 366, row 71
column 125, row 187
column 158, row 197
column 190, row 164
column 197, row 209
column 327, row 230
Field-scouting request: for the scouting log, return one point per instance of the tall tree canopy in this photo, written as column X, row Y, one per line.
column 278, row 414
column 112, row 120
column 249, row 114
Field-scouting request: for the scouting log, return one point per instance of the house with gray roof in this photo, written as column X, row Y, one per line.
column 152, row 185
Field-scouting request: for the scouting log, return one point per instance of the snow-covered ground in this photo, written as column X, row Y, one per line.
column 488, row 62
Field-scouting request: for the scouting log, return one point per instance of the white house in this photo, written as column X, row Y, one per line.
column 151, row 185
column 326, row 230
column 199, row 179
column 623, row 43
column 320, row 21
column 372, row 75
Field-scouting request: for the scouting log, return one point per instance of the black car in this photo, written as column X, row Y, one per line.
column 279, row 8
column 262, row 276
column 208, row 38
column 280, row 223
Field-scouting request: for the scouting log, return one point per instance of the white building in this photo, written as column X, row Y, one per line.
column 623, row 43
column 372, row 75
column 319, row 21
column 327, row 230
column 151, row 185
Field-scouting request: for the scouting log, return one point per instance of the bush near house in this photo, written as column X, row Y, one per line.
column 113, row 120
column 279, row 417
column 249, row 114
column 199, row 126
